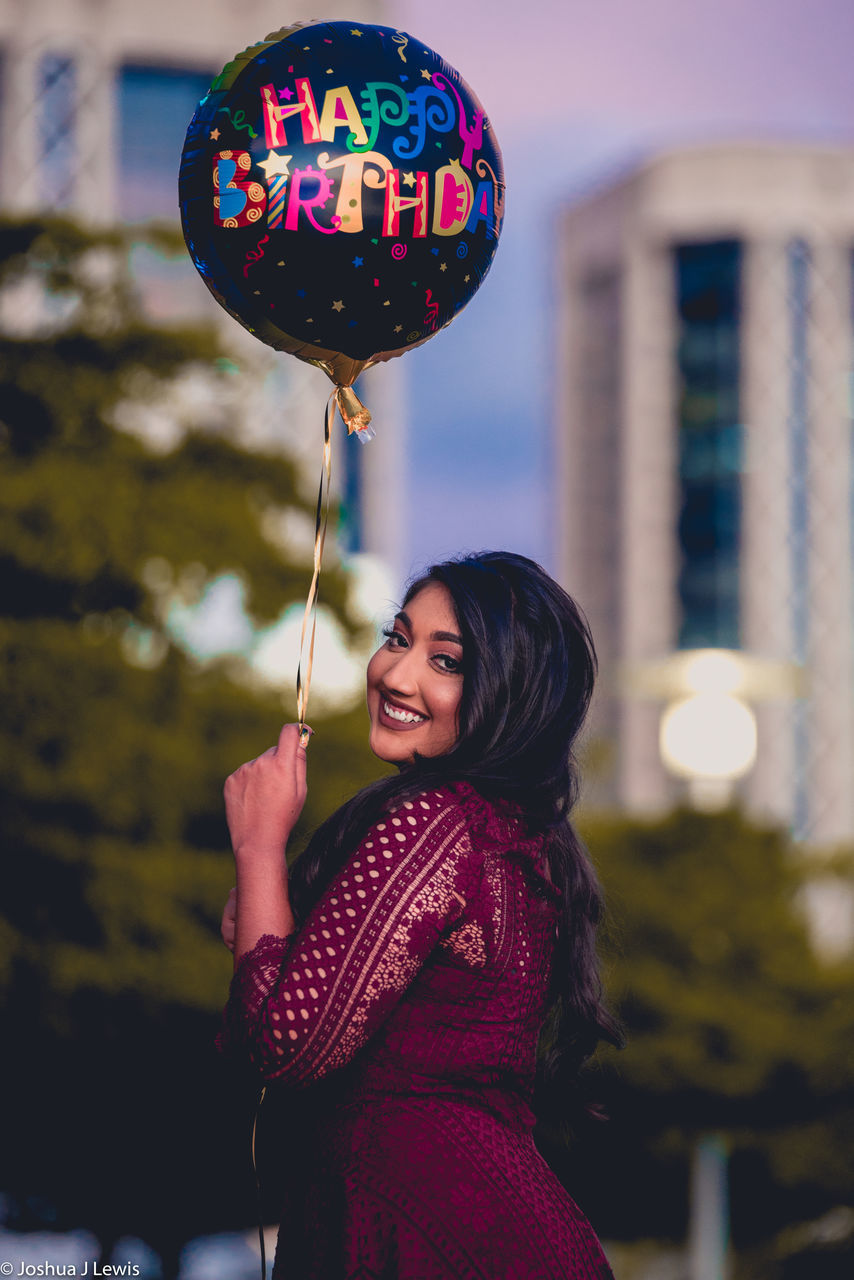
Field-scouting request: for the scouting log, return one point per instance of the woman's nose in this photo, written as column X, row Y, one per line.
column 402, row 676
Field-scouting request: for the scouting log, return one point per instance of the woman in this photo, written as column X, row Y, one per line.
column 401, row 978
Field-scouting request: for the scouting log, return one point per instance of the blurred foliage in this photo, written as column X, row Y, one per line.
column 734, row 1024
column 711, row 963
column 115, row 742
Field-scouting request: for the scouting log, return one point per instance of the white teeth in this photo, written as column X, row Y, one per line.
column 405, row 717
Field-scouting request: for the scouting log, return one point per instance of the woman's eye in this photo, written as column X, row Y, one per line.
column 394, row 639
column 447, row 663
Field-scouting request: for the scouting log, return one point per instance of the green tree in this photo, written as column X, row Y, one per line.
column 115, row 742
column 733, row 1022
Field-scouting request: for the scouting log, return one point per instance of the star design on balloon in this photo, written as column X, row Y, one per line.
column 466, row 279
column 287, row 94
column 398, row 328
column 355, row 31
column 408, row 179
column 275, row 164
column 338, row 306
column 358, row 262
column 214, row 135
column 425, row 74
column 443, row 266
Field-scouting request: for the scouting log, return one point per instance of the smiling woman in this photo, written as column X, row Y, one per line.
column 399, row 982
column 415, row 681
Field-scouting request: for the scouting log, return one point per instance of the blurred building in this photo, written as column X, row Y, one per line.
column 95, row 99
column 705, row 454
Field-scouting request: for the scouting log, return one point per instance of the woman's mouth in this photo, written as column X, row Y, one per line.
column 400, row 717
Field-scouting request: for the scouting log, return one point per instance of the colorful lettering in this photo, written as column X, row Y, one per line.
column 393, row 111
column 471, row 138
column 395, row 204
column 298, row 202
column 430, row 107
column 276, row 113
column 353, row 174
column 482, row 168
column 276, row 189
column 236, row 203
column 483, row 209
column 453, row 200
column 340, row 109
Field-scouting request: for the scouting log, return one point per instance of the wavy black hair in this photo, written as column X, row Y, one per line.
column 529, row 667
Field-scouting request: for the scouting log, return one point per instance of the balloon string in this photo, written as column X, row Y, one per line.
column 321, row 519
column 261, row 1240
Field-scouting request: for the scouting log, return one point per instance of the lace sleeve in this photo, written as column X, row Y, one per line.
column 304, row 1005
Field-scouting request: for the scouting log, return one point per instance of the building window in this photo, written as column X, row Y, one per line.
column 708, row 286
column 57, row 118
column 156, row 105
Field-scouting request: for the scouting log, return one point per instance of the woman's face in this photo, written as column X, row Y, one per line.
column 415, row 681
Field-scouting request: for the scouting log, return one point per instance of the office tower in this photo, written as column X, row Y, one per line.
column 704, row 455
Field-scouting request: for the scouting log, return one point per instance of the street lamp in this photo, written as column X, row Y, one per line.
column 708, row 738
column 708, row 735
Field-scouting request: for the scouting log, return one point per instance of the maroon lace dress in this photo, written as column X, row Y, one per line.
column 406, row 1012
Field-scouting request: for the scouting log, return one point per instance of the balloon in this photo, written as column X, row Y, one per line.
column 341, row 193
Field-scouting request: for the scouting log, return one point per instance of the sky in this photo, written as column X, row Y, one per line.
column 577, row 93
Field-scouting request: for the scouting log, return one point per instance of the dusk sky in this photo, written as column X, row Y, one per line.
column 577, row 92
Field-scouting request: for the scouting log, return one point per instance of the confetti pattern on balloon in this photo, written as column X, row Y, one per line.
column 363, row 157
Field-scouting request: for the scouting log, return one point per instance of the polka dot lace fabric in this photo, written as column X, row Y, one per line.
column 404, row 1015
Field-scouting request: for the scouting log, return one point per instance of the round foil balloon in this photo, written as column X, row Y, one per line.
column 341, row 193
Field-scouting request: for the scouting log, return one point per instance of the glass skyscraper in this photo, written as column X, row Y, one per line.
column 704, row 458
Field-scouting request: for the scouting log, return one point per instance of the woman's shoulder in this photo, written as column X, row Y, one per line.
column 490, row 824
column 455, row 820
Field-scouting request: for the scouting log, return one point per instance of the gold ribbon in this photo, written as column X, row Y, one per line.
column 321, row 520
column 258, row 1185
column 357, row 419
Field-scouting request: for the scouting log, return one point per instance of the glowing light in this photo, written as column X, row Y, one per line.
column 708, row 735
column 714, row 671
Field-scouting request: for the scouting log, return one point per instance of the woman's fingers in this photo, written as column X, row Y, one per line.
column 228, row 927
column 291, row 753
column 264, row 798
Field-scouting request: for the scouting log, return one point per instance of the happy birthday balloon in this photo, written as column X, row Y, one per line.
column 341, row 193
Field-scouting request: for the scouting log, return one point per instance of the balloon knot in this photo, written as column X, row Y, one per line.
column 354, row 413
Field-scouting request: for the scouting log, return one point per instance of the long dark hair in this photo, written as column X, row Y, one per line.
column 528, row 671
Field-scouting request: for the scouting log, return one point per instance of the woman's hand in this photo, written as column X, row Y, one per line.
column 264, row 798
column 228, row 928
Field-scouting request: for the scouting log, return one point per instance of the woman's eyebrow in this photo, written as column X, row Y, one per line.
column 434, row 635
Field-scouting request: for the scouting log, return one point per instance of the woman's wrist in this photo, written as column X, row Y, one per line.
column 263, row 904
column 252, row 854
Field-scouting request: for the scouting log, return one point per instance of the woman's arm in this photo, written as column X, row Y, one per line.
column 304, row 1005
column 263, row 800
